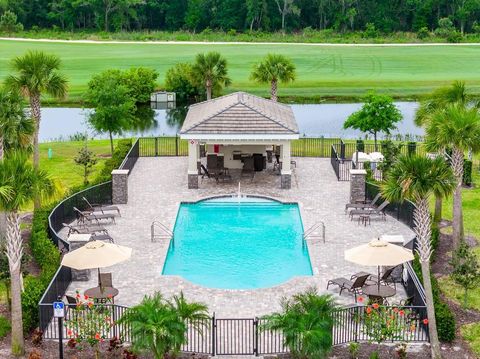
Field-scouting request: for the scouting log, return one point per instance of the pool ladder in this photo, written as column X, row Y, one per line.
column 315, row 232
column 160, row 231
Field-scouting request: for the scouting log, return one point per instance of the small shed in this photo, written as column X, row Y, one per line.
column 235, row 124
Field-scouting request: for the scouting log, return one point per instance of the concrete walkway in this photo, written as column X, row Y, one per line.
column 158, row 185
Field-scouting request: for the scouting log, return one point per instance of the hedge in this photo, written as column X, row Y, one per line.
column 46, row 253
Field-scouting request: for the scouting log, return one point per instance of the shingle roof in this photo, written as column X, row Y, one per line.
column 239, row 113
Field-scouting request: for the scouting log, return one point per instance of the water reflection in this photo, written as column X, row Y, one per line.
column 313, row 120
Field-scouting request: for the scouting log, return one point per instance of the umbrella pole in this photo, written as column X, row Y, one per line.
column 98, row 277
column 378, row 278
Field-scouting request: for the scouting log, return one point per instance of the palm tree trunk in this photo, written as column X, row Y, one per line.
column 273, row 90
column 457, row 165
column 437, row 217
column 208, row 86
column 14, row 254
column 423, row 231
column 35, row 106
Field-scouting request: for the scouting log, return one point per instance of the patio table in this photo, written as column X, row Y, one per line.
column 378, row 293
column 101, row 294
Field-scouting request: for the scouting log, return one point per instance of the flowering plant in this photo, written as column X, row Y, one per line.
column 89, row 323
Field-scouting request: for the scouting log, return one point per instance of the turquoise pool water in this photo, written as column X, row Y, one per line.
column 238, row 245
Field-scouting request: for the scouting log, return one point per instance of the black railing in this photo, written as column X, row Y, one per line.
column 131, row 157
column 340, row 166
column 55, row 290
column 401, row 211
column 64, row 212
column 162, row 146
column 247, row 336
column 312, row 146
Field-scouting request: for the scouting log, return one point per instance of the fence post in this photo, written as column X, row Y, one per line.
column 214, row 339
column 176, row 145
column 255, row 343
column 156, row 146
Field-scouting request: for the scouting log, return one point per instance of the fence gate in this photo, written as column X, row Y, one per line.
column 236, row 336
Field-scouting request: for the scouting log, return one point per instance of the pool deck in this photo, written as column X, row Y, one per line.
column 158, row 185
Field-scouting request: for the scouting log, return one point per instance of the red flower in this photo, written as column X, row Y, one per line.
column 97, row 336
column 360, row 299
column 395, row 310
column 375, row 305
column 402, row 312
column 369, row 310
column 425, row 321
column 109, row 296
column 69, row 333
column 86, row 297
column 78, row 295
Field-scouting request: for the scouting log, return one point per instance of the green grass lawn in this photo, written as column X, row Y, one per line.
column 321, row 70
column 471, row 333
column 62, row 166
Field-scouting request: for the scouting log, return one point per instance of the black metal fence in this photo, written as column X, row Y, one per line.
column 162, row 146
column 401, row 211
column 131, row 157
column 64, row 212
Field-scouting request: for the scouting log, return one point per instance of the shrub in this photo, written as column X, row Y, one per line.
column 445, row 27
column 370, row 31
column 423, row 33
column 467, row 172
column 4, row 326
column 178, row 79
column 123, row 146
column 454, row 37
column 8, row 22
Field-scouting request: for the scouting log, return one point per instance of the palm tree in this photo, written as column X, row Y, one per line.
column 306, row 321
column 416, row 178
column 37, row 73
column 457, row 127
column 23, row 182
column 437, row 101
column 271, row 69
column 15, row 128
column 159, row 326
column 210, row 70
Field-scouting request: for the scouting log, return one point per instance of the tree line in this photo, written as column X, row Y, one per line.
column 244, row 15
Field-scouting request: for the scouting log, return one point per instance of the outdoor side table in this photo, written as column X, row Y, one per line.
column 101, row 295
column 378, row 294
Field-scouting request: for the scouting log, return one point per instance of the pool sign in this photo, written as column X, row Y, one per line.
column 58, row 309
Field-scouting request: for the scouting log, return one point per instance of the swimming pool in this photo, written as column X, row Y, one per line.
column 223, row 243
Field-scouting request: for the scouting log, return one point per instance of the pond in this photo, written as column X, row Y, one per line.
column 313, row 120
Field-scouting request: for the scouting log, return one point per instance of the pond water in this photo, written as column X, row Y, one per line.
column 313, row 120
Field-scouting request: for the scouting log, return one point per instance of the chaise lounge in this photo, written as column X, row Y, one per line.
column 379, row 211
column 354, row 287
column 371, row 204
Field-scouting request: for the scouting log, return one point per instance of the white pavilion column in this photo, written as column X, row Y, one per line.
column 193, row 156
column 286, row 172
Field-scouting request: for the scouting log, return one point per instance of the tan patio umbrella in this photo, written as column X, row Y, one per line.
column 96, row 254
column 378, row 253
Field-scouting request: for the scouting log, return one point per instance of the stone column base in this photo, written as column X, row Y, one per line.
column 192, row 181
column 286, row 181
column 120, row 186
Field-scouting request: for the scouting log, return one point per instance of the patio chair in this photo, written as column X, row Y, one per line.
column 105, row 280
column 379, row 211
column 205, row 172
column 84, row 229
column 248, row 167
column 101, row 208
column 371, row 204
column 90, row 217
column 386, row 278
column 354, row 287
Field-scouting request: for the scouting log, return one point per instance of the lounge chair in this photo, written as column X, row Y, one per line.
column 354, row 287
column 379, row 211
column 101, row 237
column 371, row 204
column 386, row 278
column 84, row 229
column 90, row 217
column 101, row 208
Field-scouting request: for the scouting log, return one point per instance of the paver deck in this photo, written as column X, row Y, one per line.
column 158, row 185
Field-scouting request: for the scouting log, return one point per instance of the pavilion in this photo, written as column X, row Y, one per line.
column 236, row 125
